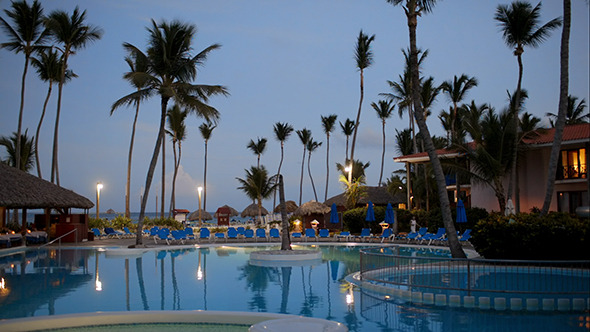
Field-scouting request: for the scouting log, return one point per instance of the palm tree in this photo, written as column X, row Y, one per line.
column 574, row 114
column 26, row 155
column 177, row 131
column 520, row 26
column 27, row 36
column 282, row 132
column 257, row 148
column 48, row 67
column 304, row 136
column 311, row 147
column 355, row 188
column 72, row 34
column 138, row 63
column 413, row 9
column 364, row 58
column 171, row 68
column 328, row 124
column 257, row 186
column 404, row 147
column 384, row 109
column 455, row 91
column 206, row 130
column 347, row 130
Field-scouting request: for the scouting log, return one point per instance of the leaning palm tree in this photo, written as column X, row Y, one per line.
column 575, row 113
column 282, row 132
column 328, row 123
column 384, row 108
column 347, row 129
column 177, row 131
column 26, row 35
column 413, row 9
column 520, row 25
column 26, row 155
column 71, row 33
column 311, row 147
column 304, row 136
column 48, row 66
column 171, row 70
column 257, row 186
column 364, row 58
column 257, row 148
column 138, row 63
column 206, row 130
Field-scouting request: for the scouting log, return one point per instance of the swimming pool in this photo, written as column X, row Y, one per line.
column 69, row 281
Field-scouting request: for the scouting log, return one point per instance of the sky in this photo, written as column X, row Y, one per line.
column 282, row 61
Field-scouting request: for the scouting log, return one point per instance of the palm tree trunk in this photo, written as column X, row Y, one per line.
column 274, row 202
column 561, row 114
column 128, row 185
column 408, row 187
column 327, row 165
column 382, row 157
column 205, row 179
column 358, row 118
column 285, row 238
column 39, row 129
column 310, row 177
column 172, row 194
column 60, row 85
column 301, row 181
column 163, row 197
column 20, row 113
column 513, row 179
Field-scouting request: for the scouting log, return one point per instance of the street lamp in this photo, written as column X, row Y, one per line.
column 349, row 170
column 98, row 188
column 200, row 189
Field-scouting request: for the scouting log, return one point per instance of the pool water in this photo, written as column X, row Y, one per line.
column 55, row 282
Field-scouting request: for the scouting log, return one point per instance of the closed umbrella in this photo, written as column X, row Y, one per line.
column 509, row 208
column 389, row 216
column 370, row 212
column 334, row 214
column 461, row 216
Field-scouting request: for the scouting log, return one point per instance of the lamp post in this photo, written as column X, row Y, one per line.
column 98, row 188
column 200, row 190
column 349, row 170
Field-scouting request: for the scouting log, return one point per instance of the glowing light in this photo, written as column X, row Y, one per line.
column 199, row 274
column 98, row 285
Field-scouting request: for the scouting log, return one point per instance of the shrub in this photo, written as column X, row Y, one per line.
column 354, row 219
column 162, row 222
column 556, row 236
column 121, row 221
column 98, row 223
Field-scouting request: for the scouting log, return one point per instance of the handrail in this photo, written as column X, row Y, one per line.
column 59, row 238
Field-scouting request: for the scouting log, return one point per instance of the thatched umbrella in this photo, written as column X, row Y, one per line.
column 290, row 205
column 252, row 211
column 195, row 215
column 311, row 207
column 233, row 213
column 378, row 195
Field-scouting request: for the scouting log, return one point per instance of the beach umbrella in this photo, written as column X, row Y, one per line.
column 389, row 215
column 311, row 207
column 204, row 215
column 252, row 211
column 461, row 216
column 370, row 212
column 233, row 212
column 289, row 205
column 334, row 214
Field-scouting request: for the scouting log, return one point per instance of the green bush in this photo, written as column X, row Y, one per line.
column 354, row 219
column 121, row 221
column 98, row 223
column 556, row 236
column 162, row 222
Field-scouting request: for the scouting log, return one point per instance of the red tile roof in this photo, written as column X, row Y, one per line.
column 570, row 133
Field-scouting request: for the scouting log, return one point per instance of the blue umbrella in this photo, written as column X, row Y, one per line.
column 389, row 216
column 461, row 216
column 334, row 267
column 334, row 214
column 370, row 212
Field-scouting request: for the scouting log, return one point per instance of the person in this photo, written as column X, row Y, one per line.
column 413, row 224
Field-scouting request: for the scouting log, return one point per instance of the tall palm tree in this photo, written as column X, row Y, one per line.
column 364, row 58
column 26, row 35
column 206, row 130
column 48, row 66
column 404, row 146
column 177, row 131
column 138, row 63
column 257, row 148
column 304, row 136
column 456, row 90
column 311, row 147
column 171, row 70
column 257, row 186
column 328, row 124
column 71, row 33
column 347, row 129
column 574, row 114
column 413, row 9
column 384, row 108
column 520, row 25
column 282, row 132
column 26, row 155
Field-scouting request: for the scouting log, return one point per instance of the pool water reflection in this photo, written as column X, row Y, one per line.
column 54, row 282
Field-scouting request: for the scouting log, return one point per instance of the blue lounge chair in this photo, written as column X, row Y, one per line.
column 204, row 233
column 415, row 236
column 274, row 234
column 310, row 234
column 296, row 235
column 365, row 234
column 438, row 236
column 190, row 234
column 112, row 233
column 97, row 233
column 127, row 232
column 177, row 235
column 343, row 235
column 163, row 234
column 465, row 236
column 220, row 236
column 387, row 234
column 154, row 231
column 248, row 233
column 324, row 233
column 241, row 231
column 232, row 233
column 261, row 234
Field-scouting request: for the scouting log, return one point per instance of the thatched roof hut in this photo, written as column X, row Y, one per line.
column 378, row 195
column 233, row 213
column 311, row 207
column 252, row 211
column 290, row 205
column 21, row 190
column 195, row 215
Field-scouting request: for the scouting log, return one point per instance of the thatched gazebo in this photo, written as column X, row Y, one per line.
column 290, row 205
column 252, row 211
column 204, row 215
column 312, row 210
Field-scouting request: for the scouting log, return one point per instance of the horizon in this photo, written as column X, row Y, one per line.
column 282, row 62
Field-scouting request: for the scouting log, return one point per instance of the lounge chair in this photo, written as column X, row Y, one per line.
column 36, row 237
column 204, row 233
column 365, row 234
column 248, row 233
column 387, row 234
column 324, row 233
column 438, row 236
column 232, row 233
column 127, row 232
column 241, row 231
column 415, row 236
column 343, row 235
column 274, row 234
column 310, row 234
column 177, row 235
column 97, row 233
column 163, row 234
column 296, row 235
column 260, row 234
column 465, row 236
column 220, row 236
column 112, row 233
column 190, row 234
column 154, row 231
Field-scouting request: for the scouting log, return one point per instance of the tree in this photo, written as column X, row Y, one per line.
column 177, row 131
column 575, row 113
column 26, row 35
column 48, row 67
column 404, row 147
column 364, row 58
column 138, row 64
column 206, row 130
column 304, row 136
column 413, row 9
column 171, row 69
column 384, row 109
column 257, row 186
column 455, row 91
column 347, row 129
column 257, row 148
column 328, row 124
column 282, row 132
column 27, row 151
column 520, row 26
column 311, row 147
column 72, row 34
column 355, row 188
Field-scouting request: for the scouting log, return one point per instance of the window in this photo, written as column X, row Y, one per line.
column 572, row 164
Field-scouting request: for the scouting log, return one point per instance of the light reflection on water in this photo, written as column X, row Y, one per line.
column 53, row 282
